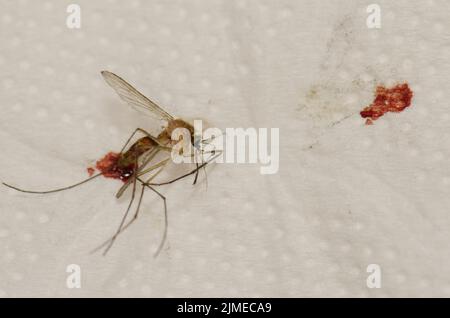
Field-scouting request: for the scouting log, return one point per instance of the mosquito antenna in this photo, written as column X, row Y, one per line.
column 52, row 191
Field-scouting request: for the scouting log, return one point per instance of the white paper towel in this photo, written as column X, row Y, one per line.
column 361, row 195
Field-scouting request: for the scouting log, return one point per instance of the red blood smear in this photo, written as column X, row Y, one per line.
column 90, row 171
column 394, row 99
column 110, row 168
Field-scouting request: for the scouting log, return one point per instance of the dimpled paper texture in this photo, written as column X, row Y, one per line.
column 346, row 195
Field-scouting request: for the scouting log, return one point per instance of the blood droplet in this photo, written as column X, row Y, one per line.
column 90, row 171
column 394, row 99
column 110, row 167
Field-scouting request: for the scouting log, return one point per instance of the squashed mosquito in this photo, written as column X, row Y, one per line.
column 134, row 165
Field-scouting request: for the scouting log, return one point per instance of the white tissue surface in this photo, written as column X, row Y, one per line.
column 347, row 195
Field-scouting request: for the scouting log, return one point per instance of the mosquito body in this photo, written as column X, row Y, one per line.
column 134, row 165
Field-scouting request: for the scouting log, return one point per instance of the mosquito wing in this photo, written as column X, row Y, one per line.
column 133, row 97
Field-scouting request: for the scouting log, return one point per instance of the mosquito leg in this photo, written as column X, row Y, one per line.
column 160, row 164
column 125, row 215
column 154, row 139
column 196, row 173
column 123, row 228
column 187, row 174
column 136, row 214
column 141, row 195
column 140, row 199
column 149, row 157
column 213, row 152
column 204, row 168
column 79, row 183
column 196, row 151
column 154, row 152
column 166, row 221
column 179, row 178
column 52, row 191
column 206, row 175
column 198, row 170
column 131, row 137
column 141, row 173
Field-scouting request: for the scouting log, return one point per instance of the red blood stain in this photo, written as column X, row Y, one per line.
column 90, row 171
column 394, row 99
column 111, row 167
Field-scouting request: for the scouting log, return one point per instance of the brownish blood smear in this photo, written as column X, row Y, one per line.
column 394, row 99
column 90, row 171
column 110, row 167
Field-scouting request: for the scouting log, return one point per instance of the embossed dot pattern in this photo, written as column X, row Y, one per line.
column 346, row 195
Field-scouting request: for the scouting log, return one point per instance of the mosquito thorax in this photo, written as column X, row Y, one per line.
column 178, row 123
column 166, row 134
